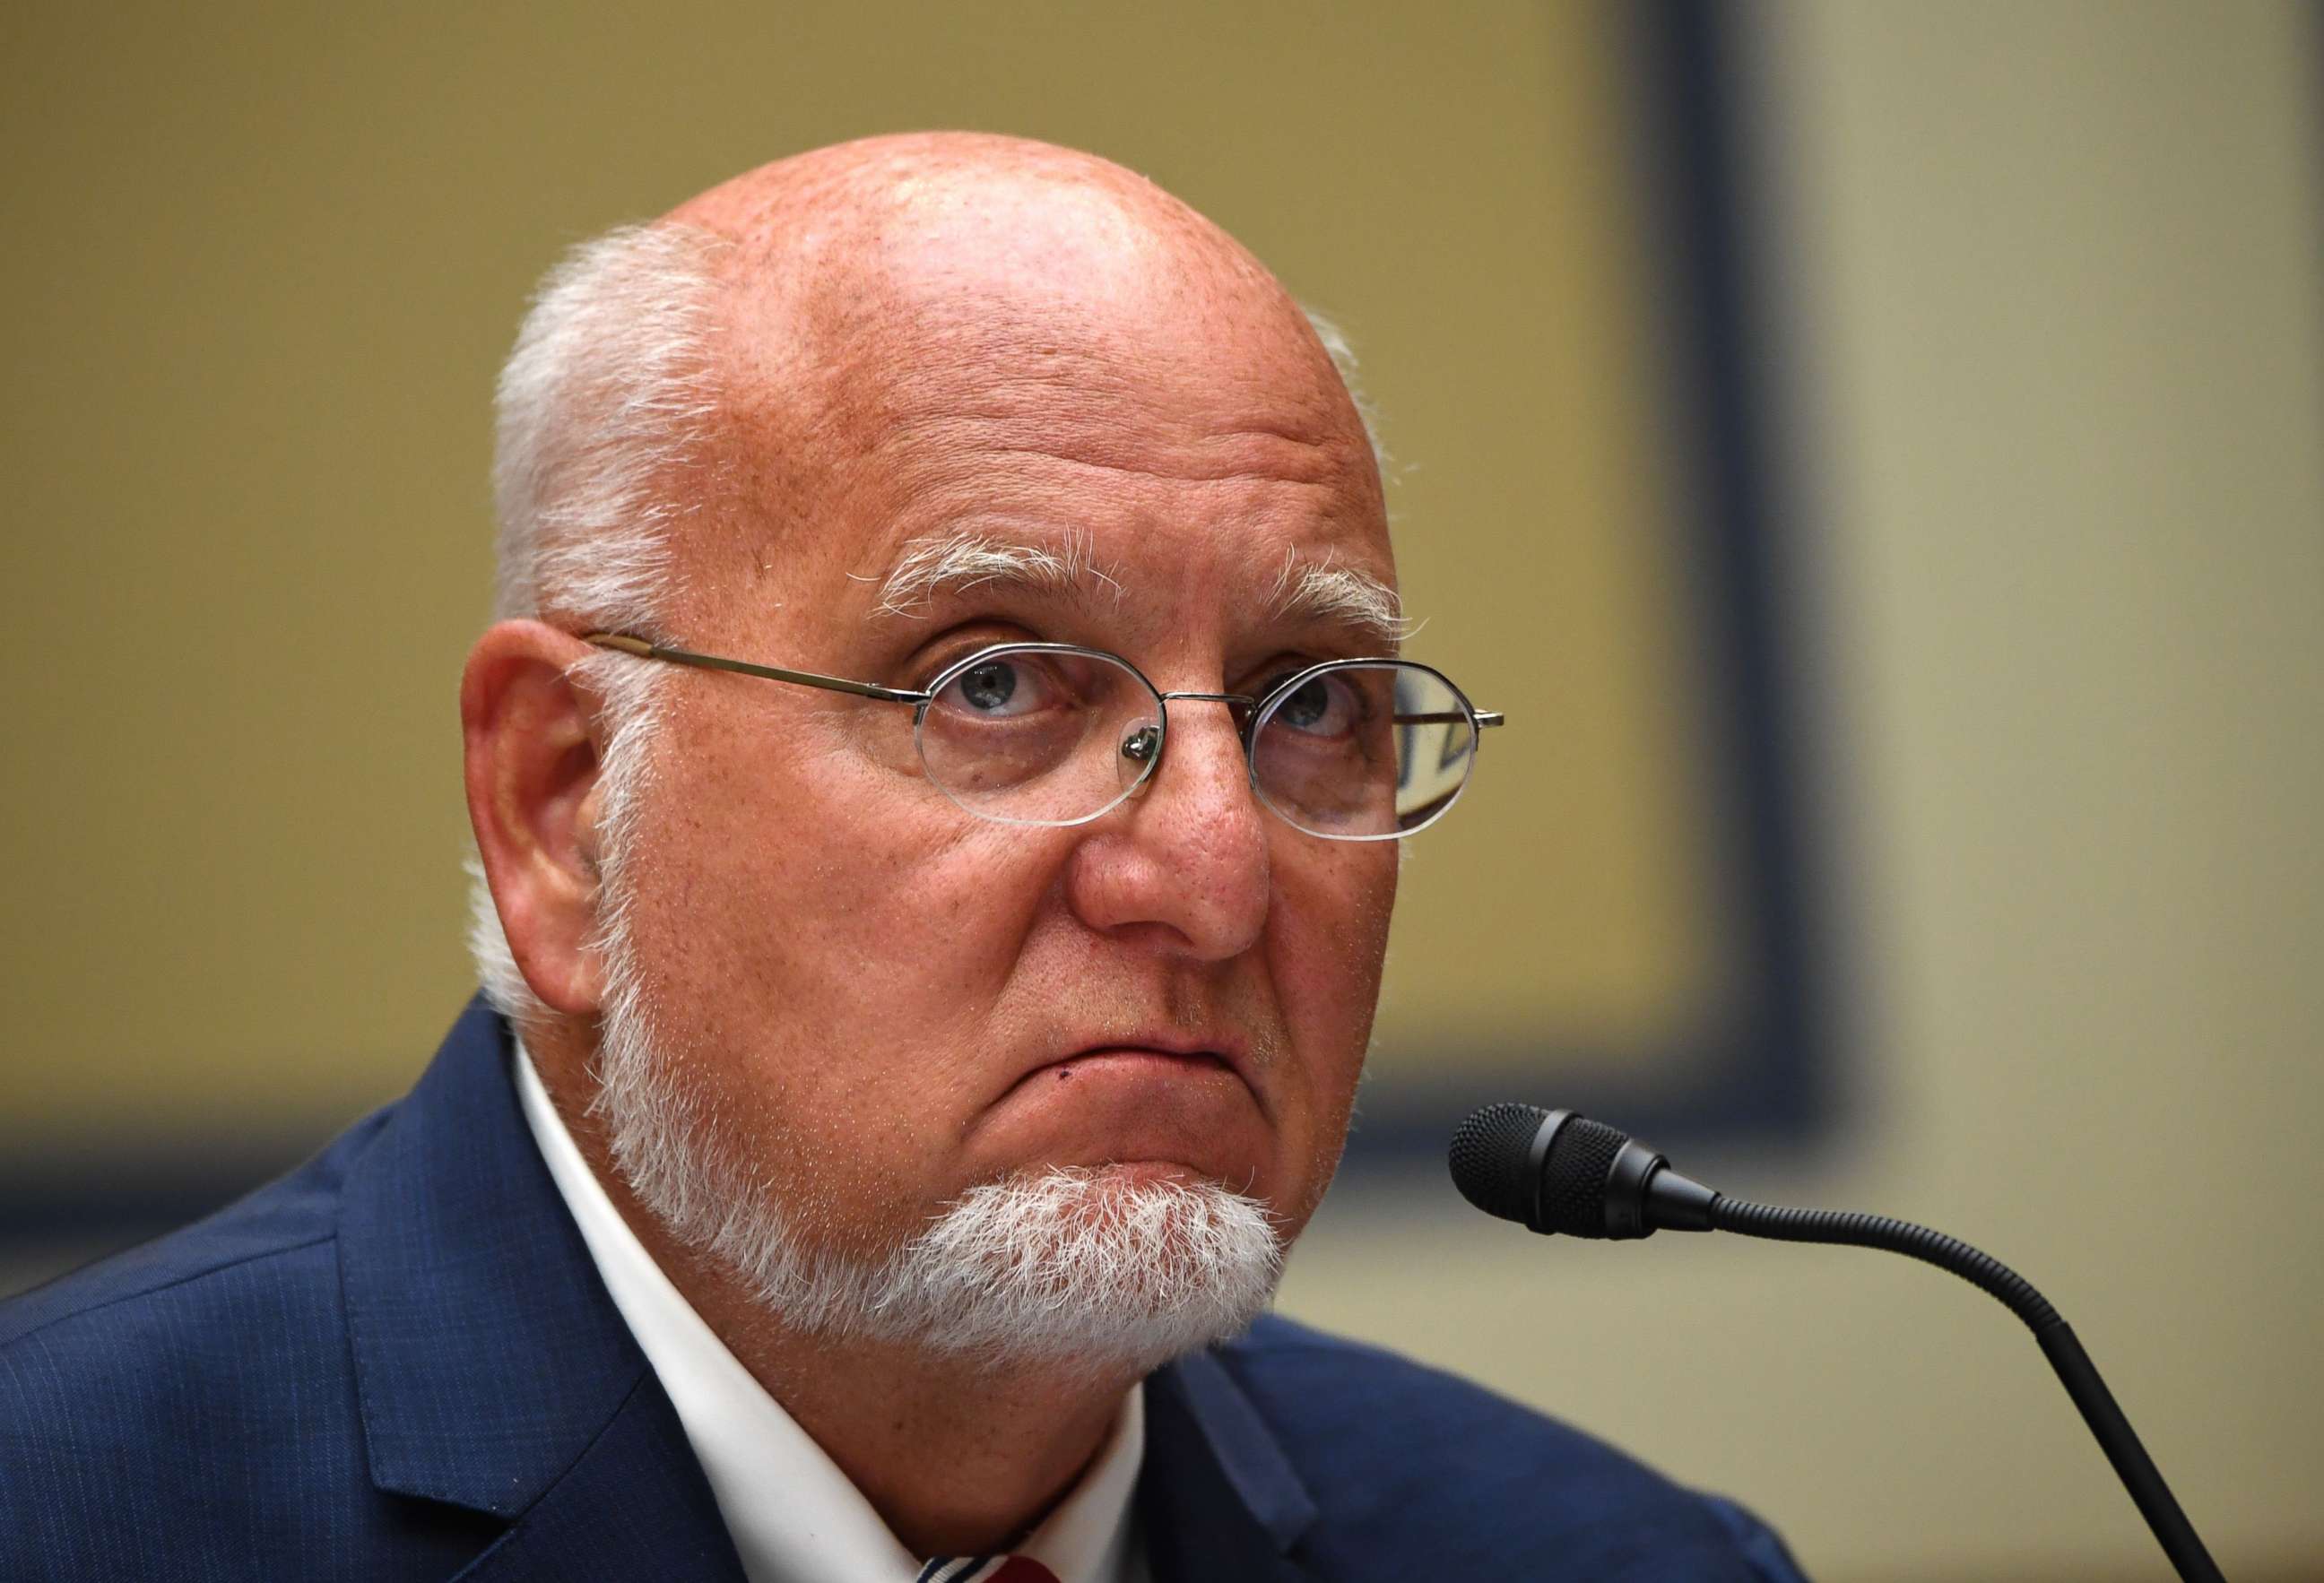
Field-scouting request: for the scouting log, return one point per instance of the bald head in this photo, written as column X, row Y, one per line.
column 897, row 173
column 849, row 325
column 885, row 295
column 971, row 212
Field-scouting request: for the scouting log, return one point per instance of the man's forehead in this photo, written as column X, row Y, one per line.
column 1104, row 337
column 1086, row 494
column 929, row 333
column 857, row 273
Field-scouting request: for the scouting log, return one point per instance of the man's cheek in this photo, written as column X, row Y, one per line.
column 1341, row 924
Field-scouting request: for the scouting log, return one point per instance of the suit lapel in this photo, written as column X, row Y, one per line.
column 493, row 1370
column 1218, row 1500
column 635, row 1505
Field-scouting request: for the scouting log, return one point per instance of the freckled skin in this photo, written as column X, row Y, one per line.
column 857, row 975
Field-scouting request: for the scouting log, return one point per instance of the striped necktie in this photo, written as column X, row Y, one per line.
column 985, row 1569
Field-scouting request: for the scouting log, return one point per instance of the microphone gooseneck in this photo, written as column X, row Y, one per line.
column 1555, row 1171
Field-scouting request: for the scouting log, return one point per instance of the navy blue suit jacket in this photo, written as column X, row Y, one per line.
column 399, row 1362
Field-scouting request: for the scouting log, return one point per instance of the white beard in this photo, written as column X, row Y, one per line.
column 1075, row 1267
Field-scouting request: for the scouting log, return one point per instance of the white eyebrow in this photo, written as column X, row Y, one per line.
column 1323, row 592
column 950, row 562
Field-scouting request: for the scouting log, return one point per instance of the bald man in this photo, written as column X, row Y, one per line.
column 936, row 778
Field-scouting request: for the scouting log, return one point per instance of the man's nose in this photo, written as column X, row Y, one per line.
column 1185, row 864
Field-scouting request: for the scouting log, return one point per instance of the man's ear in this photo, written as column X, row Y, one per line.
column 531, row 758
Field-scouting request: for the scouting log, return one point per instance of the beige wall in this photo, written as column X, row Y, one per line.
column 2054, row 326
column 2055, row 288
column 271, row 262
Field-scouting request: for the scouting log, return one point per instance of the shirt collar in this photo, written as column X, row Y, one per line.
column 793, row 1516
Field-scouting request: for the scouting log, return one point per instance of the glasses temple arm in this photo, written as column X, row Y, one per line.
column 1485, row 717
column 645, row 650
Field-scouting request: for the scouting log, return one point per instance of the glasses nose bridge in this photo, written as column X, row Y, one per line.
column 1146, row 746
column 1240, row 707
column 1242, row 701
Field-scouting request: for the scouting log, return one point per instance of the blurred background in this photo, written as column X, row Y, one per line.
column 1873, row 452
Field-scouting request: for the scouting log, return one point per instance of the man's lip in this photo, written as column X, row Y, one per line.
column 1222, row 1051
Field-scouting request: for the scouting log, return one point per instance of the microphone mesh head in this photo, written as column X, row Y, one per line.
column 1573, row 1177
column 1488, row 1159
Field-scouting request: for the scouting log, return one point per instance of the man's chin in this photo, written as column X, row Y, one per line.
column 1123, row 1265
column 1116, row 1266
column 1108, row 1177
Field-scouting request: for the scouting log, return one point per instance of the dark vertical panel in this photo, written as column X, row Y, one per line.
column 1720, row 394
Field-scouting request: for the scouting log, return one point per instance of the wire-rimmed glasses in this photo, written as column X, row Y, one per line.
column 1055, row 735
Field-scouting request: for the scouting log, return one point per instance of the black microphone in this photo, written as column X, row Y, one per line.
column 1554, row 1170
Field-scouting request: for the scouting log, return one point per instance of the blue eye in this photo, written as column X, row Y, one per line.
column 989, row 685
column 1328, row 706
column 1006, row 687
column 1306, row 708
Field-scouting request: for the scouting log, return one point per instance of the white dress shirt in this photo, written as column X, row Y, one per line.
column 793, row 1516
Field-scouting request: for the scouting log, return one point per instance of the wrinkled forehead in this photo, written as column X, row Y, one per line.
column 1040, row 368
column 942, row 291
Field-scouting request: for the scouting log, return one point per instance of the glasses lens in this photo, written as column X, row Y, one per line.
column 1034, row 736
column 1364, row 751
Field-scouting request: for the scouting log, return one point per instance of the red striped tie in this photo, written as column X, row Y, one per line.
column 985, row 1569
